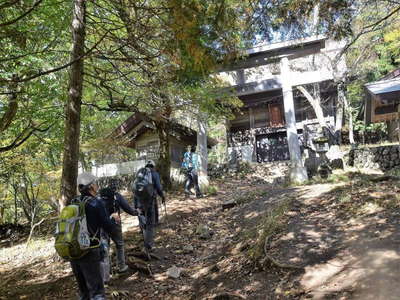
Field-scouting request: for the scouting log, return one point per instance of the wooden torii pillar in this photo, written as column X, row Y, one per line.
column 298, row 172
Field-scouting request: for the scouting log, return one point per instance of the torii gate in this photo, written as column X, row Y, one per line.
column 284, row 52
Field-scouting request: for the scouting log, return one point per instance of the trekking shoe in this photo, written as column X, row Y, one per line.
column 147, row 252
column 123, row 269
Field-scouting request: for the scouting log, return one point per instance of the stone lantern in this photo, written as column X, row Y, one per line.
column 322, row 147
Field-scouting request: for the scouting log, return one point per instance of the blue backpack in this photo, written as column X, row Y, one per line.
column 143, row 187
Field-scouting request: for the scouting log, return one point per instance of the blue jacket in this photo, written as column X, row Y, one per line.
column 190, row 160
column 157, row 183
column 122, row 203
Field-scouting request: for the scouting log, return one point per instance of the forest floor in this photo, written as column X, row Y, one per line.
column 338, row 239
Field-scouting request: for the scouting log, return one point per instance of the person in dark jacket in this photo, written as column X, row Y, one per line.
column 148, row 209
column 87, row 269
column 114, row 202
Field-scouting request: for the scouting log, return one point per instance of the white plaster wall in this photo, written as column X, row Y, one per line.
column 125, row 168
column 130, row 168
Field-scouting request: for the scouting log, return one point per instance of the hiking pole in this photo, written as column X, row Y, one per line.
column 165, row 211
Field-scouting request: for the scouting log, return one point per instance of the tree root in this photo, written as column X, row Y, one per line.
column 228, row 296
column 274, row 262
column 385, row 178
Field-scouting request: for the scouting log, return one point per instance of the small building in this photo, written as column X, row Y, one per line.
column 258, row 133
column 138, row 132
column 382, row 99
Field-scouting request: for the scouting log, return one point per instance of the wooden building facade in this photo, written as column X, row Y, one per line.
column 382, row 99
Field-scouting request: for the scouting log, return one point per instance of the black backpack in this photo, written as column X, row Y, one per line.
column 108, row 197
column 143, row 186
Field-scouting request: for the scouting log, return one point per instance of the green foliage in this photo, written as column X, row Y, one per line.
column 392, row 41
column 163, row 73
column 375, row 53
column 30, row 182
column 212, row 190
column 203, row 34
column 371, row 128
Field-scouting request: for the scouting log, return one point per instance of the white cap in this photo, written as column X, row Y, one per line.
column 86, row 178
column 150, row 162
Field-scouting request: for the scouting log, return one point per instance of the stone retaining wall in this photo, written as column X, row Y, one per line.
column 380, row 158
column 271, row 173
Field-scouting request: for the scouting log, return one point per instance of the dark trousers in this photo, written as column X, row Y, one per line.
column 147, row 223
column 156, row 212
column 192, row 180
column 118, row 240
column 88, row 275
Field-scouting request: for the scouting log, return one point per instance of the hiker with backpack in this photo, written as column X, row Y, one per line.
column 114, row 202
column 78, row 237
column 190, row 165
column 146, row 187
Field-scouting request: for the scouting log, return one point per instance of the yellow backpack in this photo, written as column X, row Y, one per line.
column 72, row 238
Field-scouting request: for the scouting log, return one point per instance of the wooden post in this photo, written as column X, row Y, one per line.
column 253, row 138
column 398, row 122
column 202, row 151
column 297, row 171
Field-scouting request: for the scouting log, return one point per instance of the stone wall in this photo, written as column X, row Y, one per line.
column 263, row 173
column 380, row 158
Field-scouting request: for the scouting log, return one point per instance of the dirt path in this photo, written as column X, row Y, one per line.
column 346, row 236
column 348, row 255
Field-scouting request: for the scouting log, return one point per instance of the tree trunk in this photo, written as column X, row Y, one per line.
column 391, row 130
column 15, row 191
column 84, row 163
column 315, row 102
column 315, row 19
column 339, row 112
column 348, row 111
column 3, row 196
column 73, row 107
column 202, row 150
column 164, row 162
column 11, row 111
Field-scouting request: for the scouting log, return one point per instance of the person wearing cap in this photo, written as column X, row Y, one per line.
column 149, row 221
column 87, row 269
column 114, row 202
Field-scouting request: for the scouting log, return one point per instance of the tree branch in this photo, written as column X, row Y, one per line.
column 18, row 141
column 8, row 4
column 63, row 66
column 364, row 30
column 114, row 107
column 31, row 232
column 23, row 15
